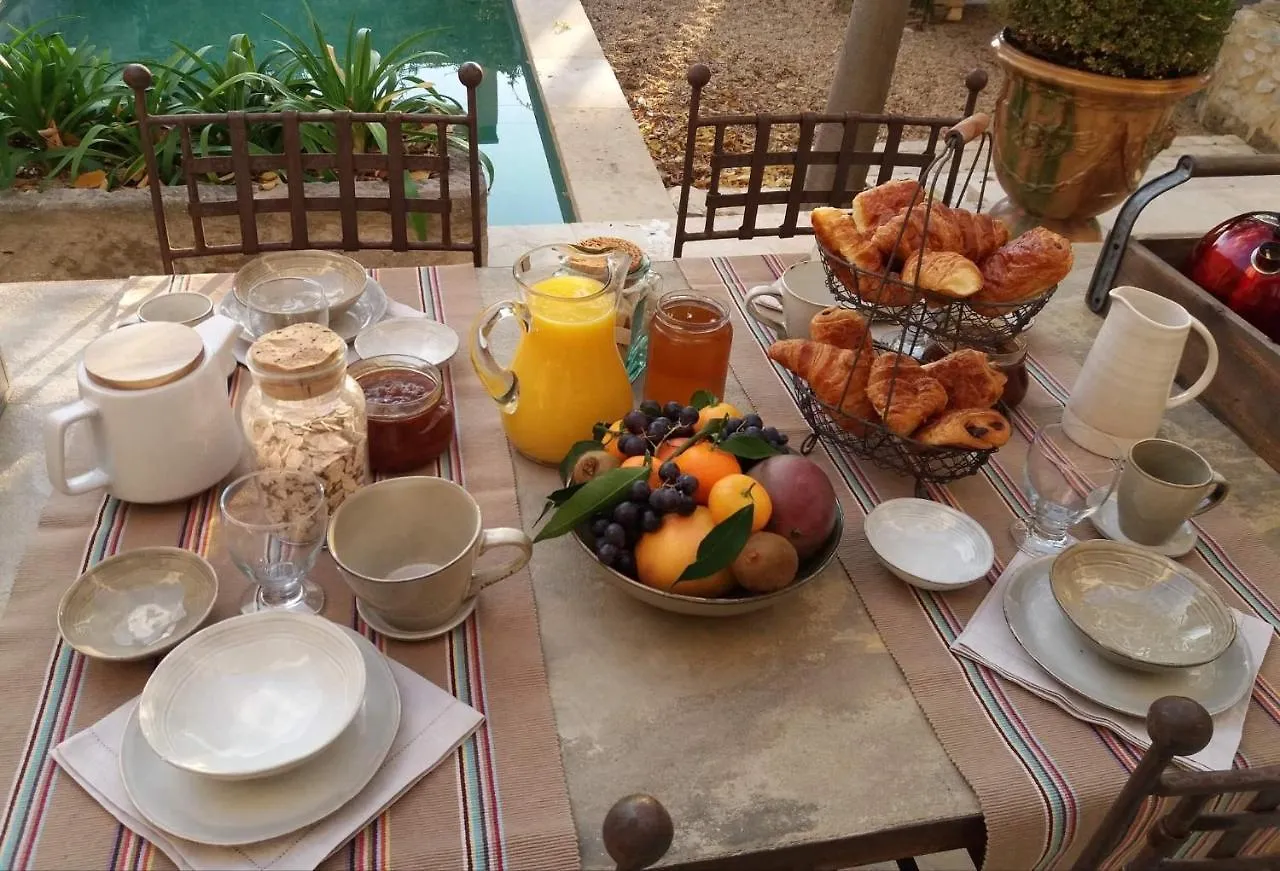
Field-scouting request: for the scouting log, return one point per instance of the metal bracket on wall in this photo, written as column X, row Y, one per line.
column 1189, row 166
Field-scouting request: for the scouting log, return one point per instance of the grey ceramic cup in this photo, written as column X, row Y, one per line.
column 1162, row 485
column 408, row 547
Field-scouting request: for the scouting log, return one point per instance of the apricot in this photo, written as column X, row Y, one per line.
column 662, row 556
column 735, row 492
column 611, row 439
column 715, row 412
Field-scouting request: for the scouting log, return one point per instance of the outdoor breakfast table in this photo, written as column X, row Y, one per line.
column 837, row 721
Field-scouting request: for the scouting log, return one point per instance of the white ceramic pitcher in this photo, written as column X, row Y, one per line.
column 155, row 398
column 1123, row 390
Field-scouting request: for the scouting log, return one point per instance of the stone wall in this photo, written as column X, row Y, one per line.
column 62, row 234
column 1244, row 95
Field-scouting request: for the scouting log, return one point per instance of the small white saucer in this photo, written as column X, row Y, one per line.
column 412, row 337
column 1107, row 521
column 380, row 626
column 928, row 545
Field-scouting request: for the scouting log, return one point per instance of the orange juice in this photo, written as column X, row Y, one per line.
column 569, row 374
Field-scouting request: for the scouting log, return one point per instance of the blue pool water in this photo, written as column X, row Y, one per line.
column 528, row 186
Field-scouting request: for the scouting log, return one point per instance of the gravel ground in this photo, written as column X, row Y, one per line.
column 773, row 56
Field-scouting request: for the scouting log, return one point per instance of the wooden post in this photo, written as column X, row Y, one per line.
column 861, row 84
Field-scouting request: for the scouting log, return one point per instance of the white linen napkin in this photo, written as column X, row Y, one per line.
column 432, row 725
column 988, row 640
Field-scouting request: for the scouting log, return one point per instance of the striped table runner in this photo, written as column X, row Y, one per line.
column 1043, row 778
column 498, row 803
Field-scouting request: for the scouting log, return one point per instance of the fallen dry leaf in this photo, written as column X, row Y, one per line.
column 52, row 138
column 270, row 185
column 268, row 177
column 90, row 180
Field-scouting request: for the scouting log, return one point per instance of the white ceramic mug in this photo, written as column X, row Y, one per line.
column 793, row 299
column 1163, row 485
column 408, row 547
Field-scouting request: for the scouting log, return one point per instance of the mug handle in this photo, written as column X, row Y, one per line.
column 770, row 315
column 55, row 450
column 1220, row 490
column 1210, row 369
column 501, row 537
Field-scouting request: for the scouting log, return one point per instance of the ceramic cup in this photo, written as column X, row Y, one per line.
column 792, row 301
column 408, row 547
column 1163, row 484
column 184, row 307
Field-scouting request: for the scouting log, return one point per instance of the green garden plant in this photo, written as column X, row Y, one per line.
column 1137, row 39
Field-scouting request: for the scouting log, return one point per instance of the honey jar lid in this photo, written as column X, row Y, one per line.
column 144, row 355
column 298, row 361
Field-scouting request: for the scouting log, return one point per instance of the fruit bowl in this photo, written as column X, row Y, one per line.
column 738, row 602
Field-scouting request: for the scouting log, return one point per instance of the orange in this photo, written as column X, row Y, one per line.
column 669, row 447
column 662, row 556
column 735, row 492
column 612, row 437
column 715, row 412
column 632, row 462
column 708, row 464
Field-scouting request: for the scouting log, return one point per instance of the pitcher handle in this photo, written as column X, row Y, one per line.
column 55, row 450
column 501, row 537
column 1210, row 368
column 499, row 381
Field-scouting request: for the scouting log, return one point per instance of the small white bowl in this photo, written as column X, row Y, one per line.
column 409, row 337
column 929, row 545
column 252, row 696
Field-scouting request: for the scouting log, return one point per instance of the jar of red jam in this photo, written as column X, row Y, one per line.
column 410, row 416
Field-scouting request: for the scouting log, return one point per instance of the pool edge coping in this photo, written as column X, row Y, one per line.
column 585, row 106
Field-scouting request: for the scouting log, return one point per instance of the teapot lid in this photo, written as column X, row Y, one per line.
column 144, row 355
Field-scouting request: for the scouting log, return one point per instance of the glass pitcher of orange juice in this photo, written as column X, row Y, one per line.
column 566, row 374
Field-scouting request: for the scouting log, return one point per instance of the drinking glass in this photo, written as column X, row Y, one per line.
column 1058, row 479
column 279, row 302
column 274, row 523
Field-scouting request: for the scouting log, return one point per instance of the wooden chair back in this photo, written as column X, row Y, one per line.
column 295, row 166
column 801, row 193
column 1180, row 727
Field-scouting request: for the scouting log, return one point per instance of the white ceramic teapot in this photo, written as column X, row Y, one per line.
column 155, row 397
column 1122, row 392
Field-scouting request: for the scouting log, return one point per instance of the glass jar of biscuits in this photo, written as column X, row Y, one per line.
column 304, row 412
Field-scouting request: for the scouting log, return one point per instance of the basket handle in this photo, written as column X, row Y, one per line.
column 969, row 129
column 1235, row 165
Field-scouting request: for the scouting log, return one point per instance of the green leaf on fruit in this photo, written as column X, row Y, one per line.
column 748, row 447
column 557, row 498
column 704, row 399
column 577, row 450
column 721, row 546
column 603, row 491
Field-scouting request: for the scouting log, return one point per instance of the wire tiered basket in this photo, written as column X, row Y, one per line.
column 891, row 297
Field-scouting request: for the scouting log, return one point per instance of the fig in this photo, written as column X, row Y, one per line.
column 804, row 502
column 592, row 463
column 766, row 563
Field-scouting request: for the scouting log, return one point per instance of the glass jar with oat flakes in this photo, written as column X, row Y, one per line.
column 304, row 412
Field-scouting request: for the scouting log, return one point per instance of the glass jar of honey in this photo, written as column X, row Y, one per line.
column 690, row 337
column 1009, row 358
column 410, row 415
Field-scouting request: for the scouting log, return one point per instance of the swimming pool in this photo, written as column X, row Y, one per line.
column 528, row 185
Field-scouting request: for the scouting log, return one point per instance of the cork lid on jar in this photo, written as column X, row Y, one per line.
column 604, row 244
column 298, row 361
column 140, row 356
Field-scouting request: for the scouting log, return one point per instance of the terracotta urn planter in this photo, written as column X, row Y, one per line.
column 1069, row 145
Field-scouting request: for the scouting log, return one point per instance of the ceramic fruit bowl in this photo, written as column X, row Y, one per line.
column 739, row 601
column 343, row 279
column 137, row 604
column 928, row 545
column 253, row 696
column 1140, row 609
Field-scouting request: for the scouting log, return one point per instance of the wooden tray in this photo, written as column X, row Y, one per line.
column 1245, row 394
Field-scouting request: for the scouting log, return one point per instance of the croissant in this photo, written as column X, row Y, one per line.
column 982, row 234
column 841, row 328
column 1025, row 267
column 969, row 379
column 902, row 393
column 905, row 232
column 838, row 235
column 874, row 206
column 943, row 272
column 838, row 377
column 977, row 428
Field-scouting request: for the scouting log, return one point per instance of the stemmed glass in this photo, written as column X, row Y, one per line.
column 274, row 525
column 275, row 303
column 1065, row 483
